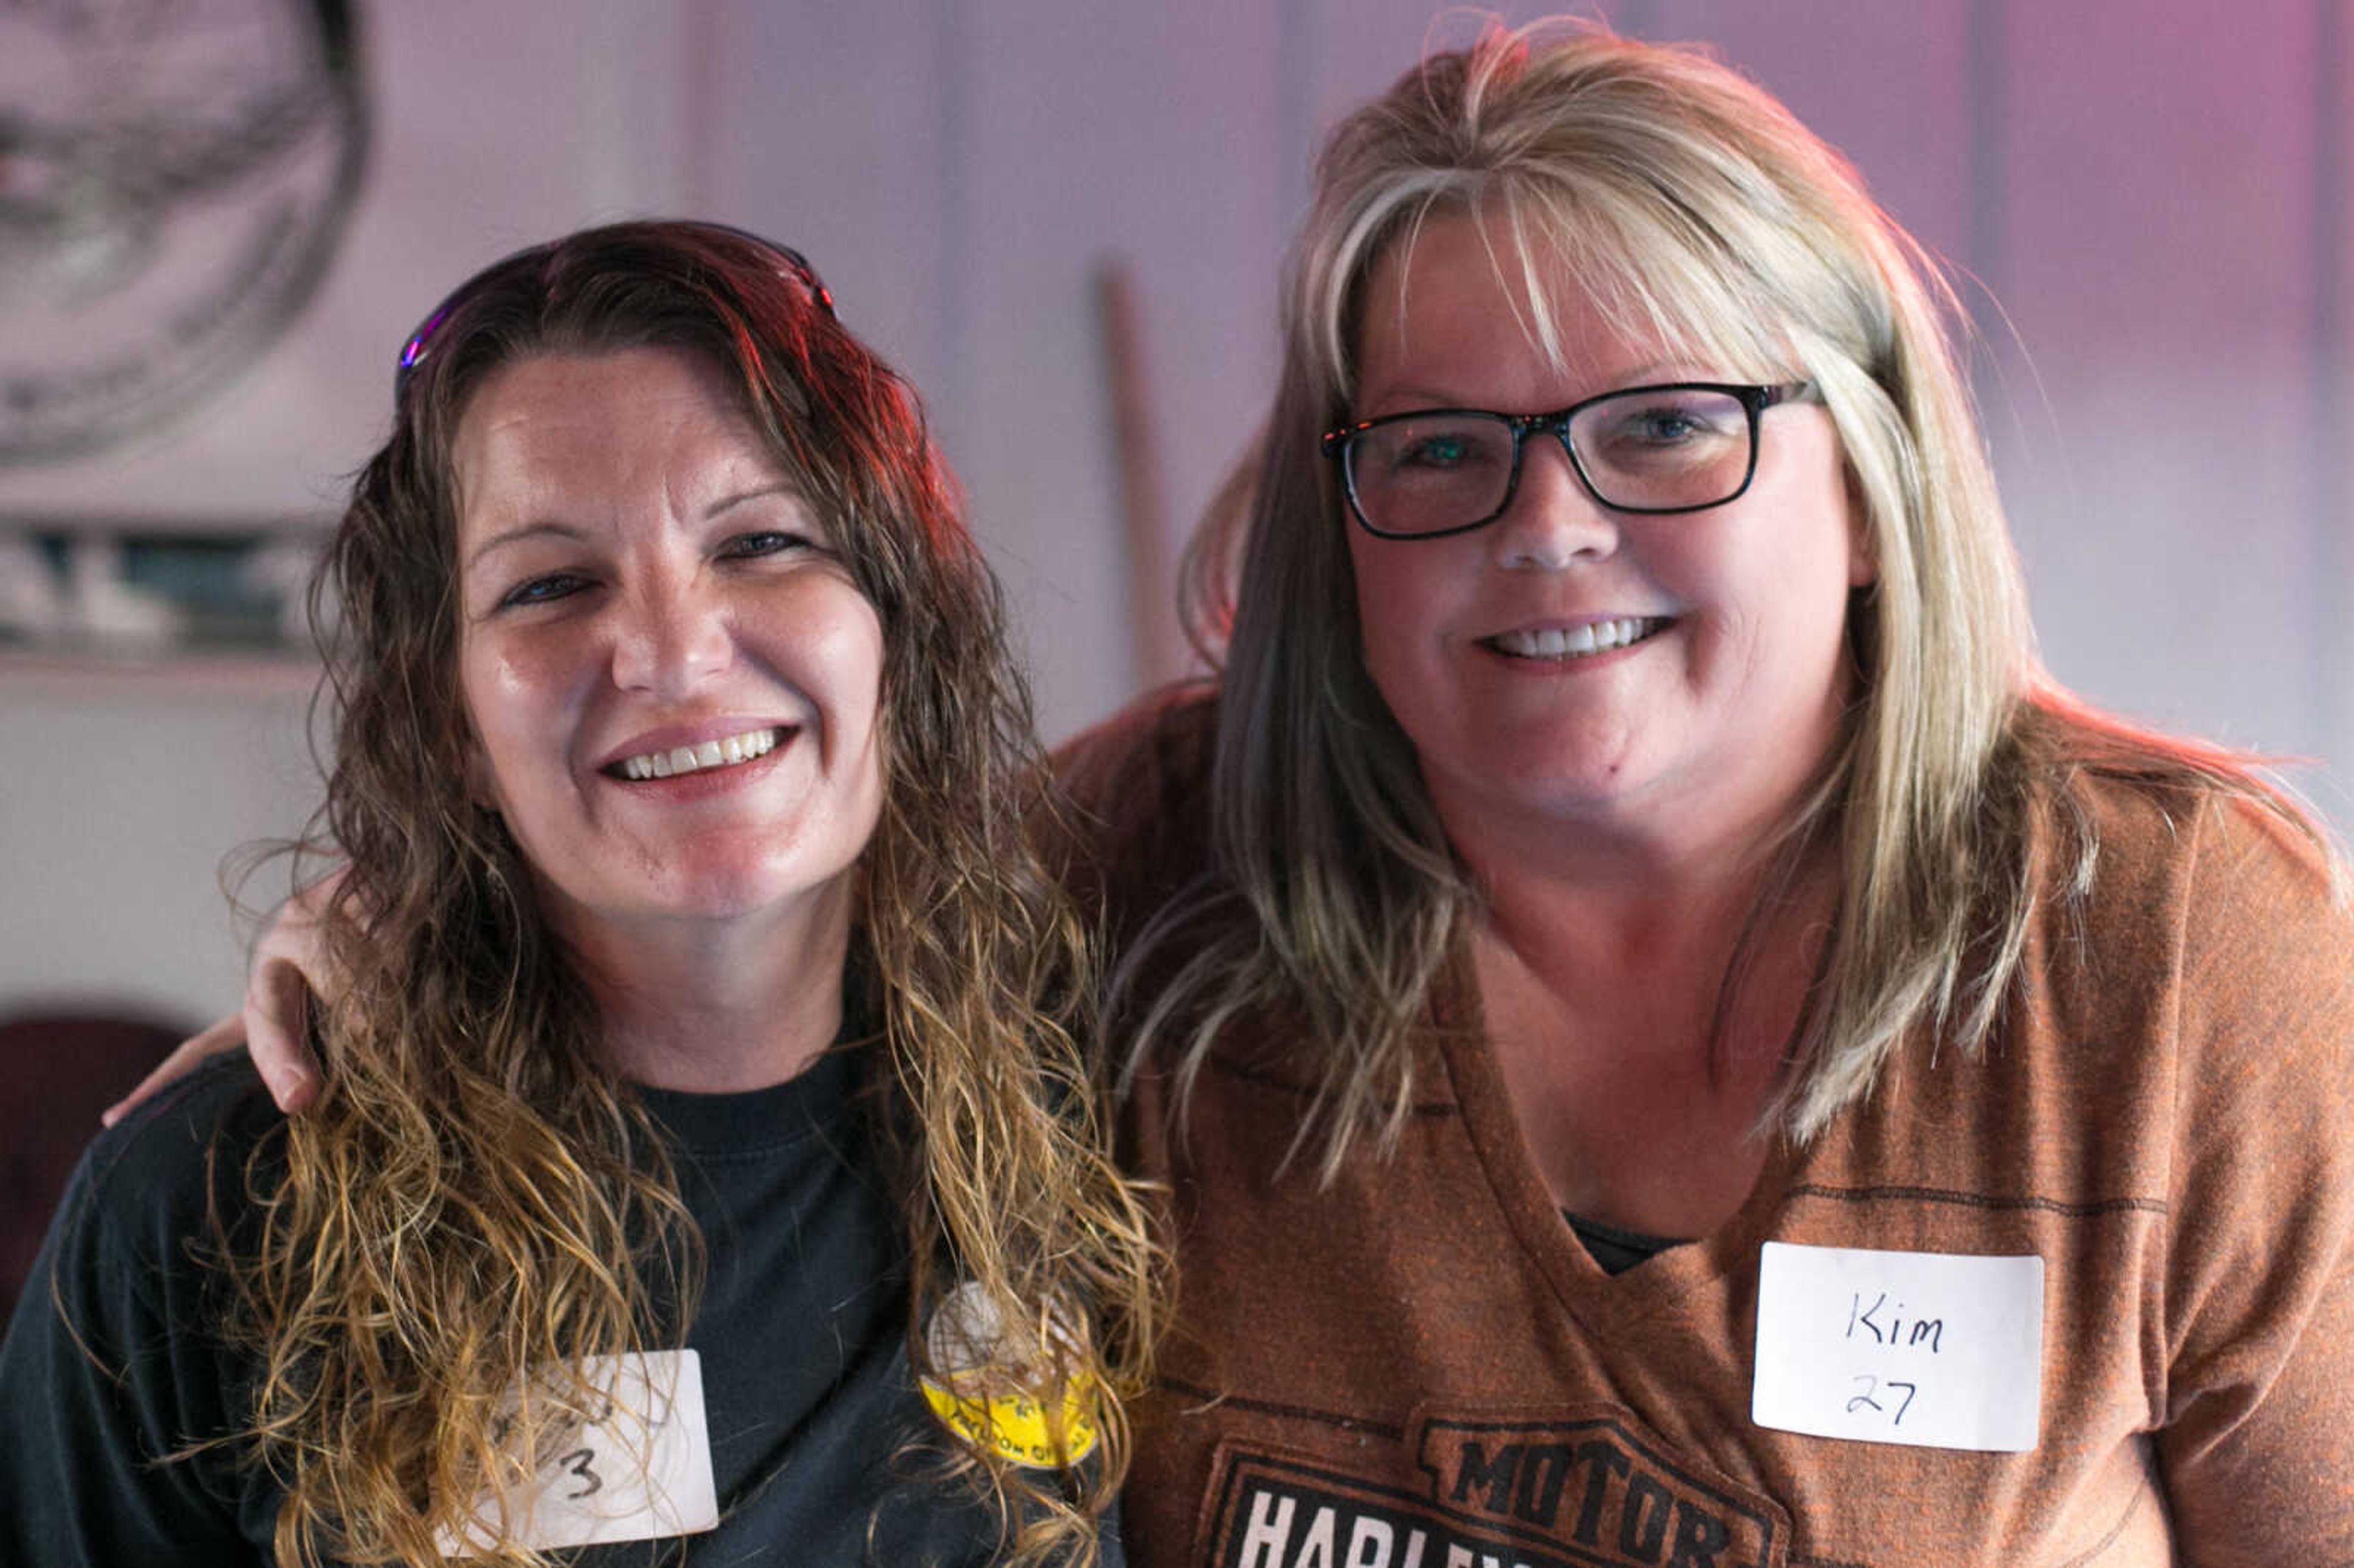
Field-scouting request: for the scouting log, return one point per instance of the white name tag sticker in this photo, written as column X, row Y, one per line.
column 1931, row 1349
column 640, row 1471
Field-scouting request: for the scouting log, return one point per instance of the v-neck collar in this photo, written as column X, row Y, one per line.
column 1598, row 1301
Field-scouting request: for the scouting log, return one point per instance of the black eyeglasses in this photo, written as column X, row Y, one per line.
column 791, row 263
column 1685, row 446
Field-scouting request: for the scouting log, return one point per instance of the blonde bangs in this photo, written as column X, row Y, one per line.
column 1569, row 239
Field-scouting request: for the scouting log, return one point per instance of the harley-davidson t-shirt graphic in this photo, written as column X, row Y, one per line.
column 1589, row 1490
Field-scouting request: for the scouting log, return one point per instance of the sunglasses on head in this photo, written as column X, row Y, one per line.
column 791, row 265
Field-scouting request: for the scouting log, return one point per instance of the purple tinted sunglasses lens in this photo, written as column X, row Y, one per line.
column 796, row 268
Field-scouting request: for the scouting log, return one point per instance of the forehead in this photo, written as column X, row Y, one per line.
column 1446, row 314
column 1464, row 293
column 574, row 426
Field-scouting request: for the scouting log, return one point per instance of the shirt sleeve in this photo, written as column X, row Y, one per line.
column 2257, row 1448
column 107, row 1377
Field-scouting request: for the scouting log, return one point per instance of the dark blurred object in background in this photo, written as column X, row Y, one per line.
column 58, row 1071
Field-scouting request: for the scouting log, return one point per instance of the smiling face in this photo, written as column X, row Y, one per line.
column 673, row 683
column 1657, row 674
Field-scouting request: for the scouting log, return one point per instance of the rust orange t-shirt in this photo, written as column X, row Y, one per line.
column 1420, row 1366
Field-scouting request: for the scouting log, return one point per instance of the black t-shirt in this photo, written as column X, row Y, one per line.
column 800, row 1333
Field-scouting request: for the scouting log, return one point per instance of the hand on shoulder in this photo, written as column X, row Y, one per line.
column 290, row 966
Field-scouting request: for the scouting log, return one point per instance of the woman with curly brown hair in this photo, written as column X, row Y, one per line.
column 708, row 1153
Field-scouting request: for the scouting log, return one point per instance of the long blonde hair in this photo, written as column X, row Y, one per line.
column 1690, row 208
column 475, row 1200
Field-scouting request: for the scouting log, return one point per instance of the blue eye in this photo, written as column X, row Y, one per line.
column 1670, row 421
column 1435, row 451
column 1665, row 426
column 543, row 589
column 766, row 542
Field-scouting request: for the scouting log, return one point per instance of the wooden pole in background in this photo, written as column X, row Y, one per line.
column 1158, row 649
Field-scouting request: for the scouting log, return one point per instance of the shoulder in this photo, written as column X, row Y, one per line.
column 157, row 1179
column 1159, row 742
column 2171, row 904
column 2186, row 964
column 118, row 1357
column 220, row 1107
column 2126, row 821
column 2215, row 918
column 1137, row 788
column 127, row 1276
column 2184, row 846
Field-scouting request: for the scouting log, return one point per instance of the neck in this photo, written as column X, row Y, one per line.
column 718, row 1006
column 1580, row 916
column 1640, row 1004
column 1606, row 879
column 1677, row 871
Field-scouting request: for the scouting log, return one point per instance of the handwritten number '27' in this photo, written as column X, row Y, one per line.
column 1872, row 1386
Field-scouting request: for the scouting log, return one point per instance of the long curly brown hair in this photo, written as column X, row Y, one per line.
column 476, row 1198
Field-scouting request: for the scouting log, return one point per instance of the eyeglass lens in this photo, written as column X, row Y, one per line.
column 1648, row 449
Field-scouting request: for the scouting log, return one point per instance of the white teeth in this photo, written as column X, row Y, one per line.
column 721, row 753
column 1590, row 637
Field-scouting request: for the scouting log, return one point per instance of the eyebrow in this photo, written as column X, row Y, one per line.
column 516, row 536
column 785, row 488
column 1651, row 373
column 548, row 529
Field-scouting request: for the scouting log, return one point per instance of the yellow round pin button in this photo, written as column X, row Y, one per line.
column 1017, row 1427
column 1029, row 1428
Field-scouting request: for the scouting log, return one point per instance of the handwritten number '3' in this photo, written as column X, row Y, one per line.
column 578, row 1462
column 1872, row 1386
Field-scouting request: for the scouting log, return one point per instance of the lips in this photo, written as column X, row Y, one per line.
column 1578, row 642
column 722, row 751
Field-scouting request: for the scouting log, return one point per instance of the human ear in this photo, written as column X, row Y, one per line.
column 1863, row 560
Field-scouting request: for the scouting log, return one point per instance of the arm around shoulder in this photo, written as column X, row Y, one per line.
column 290, row 966
column 1137, row 787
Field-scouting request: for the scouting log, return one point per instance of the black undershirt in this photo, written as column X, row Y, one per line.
column 1615, row 1249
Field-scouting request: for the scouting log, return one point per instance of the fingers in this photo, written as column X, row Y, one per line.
column 291, row 959
column 291, row 964
column 277, row 1004
column 186, row 1058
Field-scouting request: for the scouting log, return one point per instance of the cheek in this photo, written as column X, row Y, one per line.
column 511, row 708
column 1397, row 609
column 482, row 776
column 825, row 639
column 848, row 661
column 858, row 731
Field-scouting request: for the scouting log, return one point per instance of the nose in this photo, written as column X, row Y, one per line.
column 1553, row 520
column 669, row 638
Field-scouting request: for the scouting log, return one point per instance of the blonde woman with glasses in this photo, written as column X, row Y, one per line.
column 1671, row 1041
